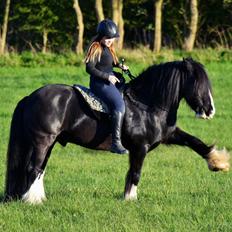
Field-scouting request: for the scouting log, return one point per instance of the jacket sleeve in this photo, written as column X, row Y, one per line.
column 93, row 71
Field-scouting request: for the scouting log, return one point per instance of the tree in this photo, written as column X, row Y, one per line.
column 37, row 16
column 190, row 39
column 3, row 31
column 117, row 10
column 43, row 24
column 80, row 27
column 120, row 24
column 99, row 10
column 158, row 25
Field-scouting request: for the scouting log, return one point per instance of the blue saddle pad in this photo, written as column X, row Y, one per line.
column 93, row 101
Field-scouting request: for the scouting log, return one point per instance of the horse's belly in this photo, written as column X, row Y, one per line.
column 91, row 135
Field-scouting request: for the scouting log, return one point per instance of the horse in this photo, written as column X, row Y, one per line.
column 58, row 113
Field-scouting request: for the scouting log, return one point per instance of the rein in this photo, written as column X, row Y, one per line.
column 132, row 98
column 127, row 72
column 140, row 105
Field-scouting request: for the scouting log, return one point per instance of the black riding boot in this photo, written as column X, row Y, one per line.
column 117, row 119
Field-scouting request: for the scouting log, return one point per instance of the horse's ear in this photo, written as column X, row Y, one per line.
column 189, row 59
column 188, row 63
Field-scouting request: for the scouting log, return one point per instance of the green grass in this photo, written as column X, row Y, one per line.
column 85, row 187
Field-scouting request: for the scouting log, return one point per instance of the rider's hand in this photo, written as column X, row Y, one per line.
column 123, row 67
column 113, row 79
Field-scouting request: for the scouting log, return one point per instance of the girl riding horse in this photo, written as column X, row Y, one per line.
column 100, row 60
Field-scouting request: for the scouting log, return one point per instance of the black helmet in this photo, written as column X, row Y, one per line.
column 107, row 28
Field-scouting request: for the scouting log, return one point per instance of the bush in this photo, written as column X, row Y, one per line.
column 11, row 59
column 141, row 55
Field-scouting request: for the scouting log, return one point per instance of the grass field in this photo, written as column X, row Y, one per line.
column 85, row 187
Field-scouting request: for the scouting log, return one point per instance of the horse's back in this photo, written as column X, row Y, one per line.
column 46, row 107
column 52, row 91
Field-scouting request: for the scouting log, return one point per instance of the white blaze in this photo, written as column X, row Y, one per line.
column 203, row 115
column 212, row 104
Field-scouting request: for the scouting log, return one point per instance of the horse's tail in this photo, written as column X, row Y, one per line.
column 17, row 155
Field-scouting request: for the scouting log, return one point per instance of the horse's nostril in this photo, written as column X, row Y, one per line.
column 215, row 169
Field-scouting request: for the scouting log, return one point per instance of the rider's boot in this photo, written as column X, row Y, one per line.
column 117, row 120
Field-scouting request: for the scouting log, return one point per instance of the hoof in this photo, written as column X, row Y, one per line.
column 132, row 194
column 218, row 160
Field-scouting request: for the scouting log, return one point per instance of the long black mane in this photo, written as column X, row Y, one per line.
column 163, row 85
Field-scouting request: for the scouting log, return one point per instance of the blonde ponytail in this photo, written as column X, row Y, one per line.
column 94, row 52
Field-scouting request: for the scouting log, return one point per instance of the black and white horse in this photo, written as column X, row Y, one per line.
column 58, row 113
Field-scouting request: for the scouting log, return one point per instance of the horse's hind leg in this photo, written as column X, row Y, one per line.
column 35, row 193
column 16, row 175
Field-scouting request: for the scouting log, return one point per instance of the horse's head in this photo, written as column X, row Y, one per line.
column 198, row 92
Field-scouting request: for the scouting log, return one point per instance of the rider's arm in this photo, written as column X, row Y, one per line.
column 93, row 71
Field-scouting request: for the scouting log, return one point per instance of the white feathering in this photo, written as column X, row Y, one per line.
column 36, row 194
column 218, row 160
column 132, row 195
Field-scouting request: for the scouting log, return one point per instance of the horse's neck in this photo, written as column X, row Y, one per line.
column 142, row 89
column 145, row 97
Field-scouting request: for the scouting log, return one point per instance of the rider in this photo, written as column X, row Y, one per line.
column 100, row 60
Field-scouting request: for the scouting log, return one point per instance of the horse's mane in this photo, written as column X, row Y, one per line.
column 162, row 85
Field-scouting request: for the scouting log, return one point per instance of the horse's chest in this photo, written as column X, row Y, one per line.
column 143, row 126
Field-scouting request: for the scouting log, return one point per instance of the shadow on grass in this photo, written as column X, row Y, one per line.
column 119, row 196
column 3, row 199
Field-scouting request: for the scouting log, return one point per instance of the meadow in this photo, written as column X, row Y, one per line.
column 84, row 187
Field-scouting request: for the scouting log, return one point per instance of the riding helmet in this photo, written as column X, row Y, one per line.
column 107, row 28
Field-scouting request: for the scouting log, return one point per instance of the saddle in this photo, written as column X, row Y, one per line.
column 94, row 102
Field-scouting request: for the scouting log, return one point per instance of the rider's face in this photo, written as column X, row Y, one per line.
column 107, row 42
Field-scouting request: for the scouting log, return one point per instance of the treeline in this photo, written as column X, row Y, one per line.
column 59, row 25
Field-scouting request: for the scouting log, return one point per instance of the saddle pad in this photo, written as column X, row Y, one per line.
column 93, row 101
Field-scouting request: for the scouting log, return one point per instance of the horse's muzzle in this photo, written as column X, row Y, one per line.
column 203, row 115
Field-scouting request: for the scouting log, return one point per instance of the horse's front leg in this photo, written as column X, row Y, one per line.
column 217, row 160
column 133, row 175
